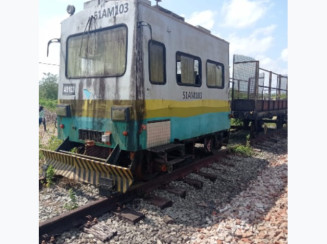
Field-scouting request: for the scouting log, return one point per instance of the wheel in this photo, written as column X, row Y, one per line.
column 218, row 142
column 209, row 144
column 259, row 125
column 256, row 127
column 253, row 130
column 145, row 167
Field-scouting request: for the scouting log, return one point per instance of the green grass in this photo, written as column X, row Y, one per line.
column 52, row 145
column 72, row 204
column 236, row 122
column 49, row 175
column 241, row 150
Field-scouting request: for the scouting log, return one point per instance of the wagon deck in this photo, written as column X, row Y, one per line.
column 257, row 93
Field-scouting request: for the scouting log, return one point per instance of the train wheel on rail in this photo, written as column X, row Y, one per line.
column 253, row 129
column 145, row 166
column 260, row 125
column 280, row 122
column 209, row 144
column 256, row 127
column 213, row 143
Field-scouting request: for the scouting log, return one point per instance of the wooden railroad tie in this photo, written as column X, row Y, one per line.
column 195, row 183
column 209, row 176
column 129, row 215
column 177, row 191
column 103, row 232
column 160, row 202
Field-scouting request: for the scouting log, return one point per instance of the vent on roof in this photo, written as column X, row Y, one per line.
column 203, row 29
column 145, row 1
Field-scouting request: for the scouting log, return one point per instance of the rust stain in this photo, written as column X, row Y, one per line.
column 102, row 88
column 80, row 90
column 117, row 97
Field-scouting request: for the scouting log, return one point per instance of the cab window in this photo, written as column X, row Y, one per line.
column 157, row 62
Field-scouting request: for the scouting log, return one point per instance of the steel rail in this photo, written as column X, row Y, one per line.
column 77, row 217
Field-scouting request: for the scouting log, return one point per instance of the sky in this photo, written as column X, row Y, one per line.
column 255, row 28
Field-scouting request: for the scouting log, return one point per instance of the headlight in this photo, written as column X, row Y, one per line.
column 120, row 113
column 63, row 110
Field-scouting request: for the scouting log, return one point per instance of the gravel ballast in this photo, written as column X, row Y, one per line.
column 246, row 204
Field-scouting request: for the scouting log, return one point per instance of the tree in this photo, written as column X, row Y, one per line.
column 48, row 86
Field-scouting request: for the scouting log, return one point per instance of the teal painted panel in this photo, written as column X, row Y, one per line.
column 181, row 128
column 186, row 128
column 73, row 124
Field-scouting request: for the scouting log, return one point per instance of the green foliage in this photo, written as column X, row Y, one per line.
column 236, row 122
column 73, row 203
column 242, row 150
column 48, row 103
column 240, row 95
column 74, row 150
column 49, row 175
column 41, row 156
column 48, row 87
column 54, row 143
column 248, row 140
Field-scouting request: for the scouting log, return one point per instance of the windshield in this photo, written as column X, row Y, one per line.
column 97, row 53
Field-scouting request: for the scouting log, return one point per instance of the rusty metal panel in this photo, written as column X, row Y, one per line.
column 265, row 105
column 243, row 105
column 259, row 105
column 271, row 105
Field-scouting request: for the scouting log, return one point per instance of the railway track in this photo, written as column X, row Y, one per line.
column 83, row 217
column 77, row 217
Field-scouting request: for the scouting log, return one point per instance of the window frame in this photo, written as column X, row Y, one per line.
column 200, row 69
column 91, row 32
column 164, row 57
column 223, row 74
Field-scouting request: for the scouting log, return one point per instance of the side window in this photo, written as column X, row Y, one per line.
column 188, row 69
column 215, row 74
column 157, row 62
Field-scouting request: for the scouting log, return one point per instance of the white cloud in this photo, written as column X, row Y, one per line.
column 243, row 13
column 255, row 44
column 284, row 55
column 272, row 65
column 203, row 18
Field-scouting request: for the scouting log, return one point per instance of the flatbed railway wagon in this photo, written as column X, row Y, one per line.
column 257, row 95
column 138, row 88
